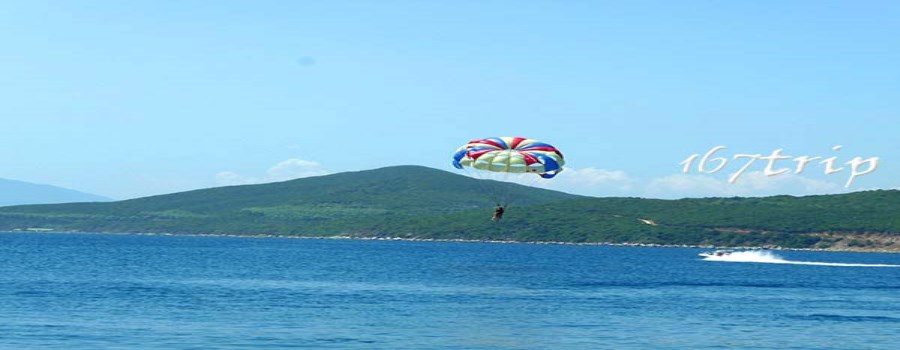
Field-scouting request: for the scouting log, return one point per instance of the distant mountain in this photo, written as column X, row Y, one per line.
column 424, row 203
column 13, row 192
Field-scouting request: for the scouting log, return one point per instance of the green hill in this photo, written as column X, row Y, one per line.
column 419, row 202
column 326, row 205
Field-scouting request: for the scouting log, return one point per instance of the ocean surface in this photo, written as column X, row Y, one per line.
column 74, row 291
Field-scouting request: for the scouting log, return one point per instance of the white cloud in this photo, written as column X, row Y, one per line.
column 295, row 169
column 752, row 184
column 596, row 178
column 287, row 170
column 586, row 181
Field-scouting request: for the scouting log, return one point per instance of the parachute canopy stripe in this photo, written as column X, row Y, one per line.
column 510, row 154
column 479, row 153
column 492, row 143
column 516, row 141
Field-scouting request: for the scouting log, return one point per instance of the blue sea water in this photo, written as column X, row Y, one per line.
column 73, row 291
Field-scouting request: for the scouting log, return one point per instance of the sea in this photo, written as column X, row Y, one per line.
column 108, row 291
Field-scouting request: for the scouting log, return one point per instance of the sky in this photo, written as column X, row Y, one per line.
column 135, row 98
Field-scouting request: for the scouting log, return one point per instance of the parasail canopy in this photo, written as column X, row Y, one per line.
column 510, row 155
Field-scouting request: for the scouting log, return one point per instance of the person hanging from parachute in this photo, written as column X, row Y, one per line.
column 498, row 213
column 517, row 155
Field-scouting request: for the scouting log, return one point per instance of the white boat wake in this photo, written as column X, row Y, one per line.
column 770, row 258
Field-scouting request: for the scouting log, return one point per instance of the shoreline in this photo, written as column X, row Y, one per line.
column 454, row 240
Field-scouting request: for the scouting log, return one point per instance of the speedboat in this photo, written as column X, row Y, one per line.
column 716, row 253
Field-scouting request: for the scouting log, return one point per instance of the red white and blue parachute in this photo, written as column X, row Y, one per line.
column 510, row 155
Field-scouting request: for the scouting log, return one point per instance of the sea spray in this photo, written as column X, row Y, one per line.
column 767, row 257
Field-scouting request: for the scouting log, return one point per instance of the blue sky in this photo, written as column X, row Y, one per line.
column 128, row 99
